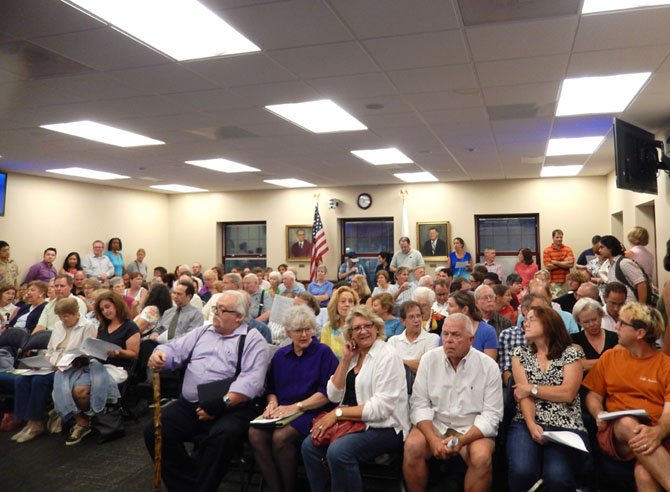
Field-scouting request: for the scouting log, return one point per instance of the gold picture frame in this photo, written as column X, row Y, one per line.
column 294, row 252
column 439, row 251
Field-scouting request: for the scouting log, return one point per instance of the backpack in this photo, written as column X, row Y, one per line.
column 652, row 296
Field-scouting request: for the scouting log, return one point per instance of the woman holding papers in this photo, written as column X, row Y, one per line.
column 84, row 391
column 370, row 386
column 547, row 372
column 32, row 392
column 296, row 382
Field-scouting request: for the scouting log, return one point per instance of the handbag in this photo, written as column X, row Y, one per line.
column 335, row 431
column 54, row 422
column 109, row 425
column 210, row 395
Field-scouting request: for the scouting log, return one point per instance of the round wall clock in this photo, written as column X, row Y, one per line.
column 364, row 201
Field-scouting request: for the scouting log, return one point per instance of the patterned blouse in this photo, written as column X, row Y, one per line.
column 564, row 415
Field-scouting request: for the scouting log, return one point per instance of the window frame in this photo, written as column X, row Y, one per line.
column 479, row 251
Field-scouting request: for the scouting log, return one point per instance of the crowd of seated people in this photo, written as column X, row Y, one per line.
column 390, row 377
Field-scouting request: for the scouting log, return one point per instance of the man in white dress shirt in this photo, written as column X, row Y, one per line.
column 456, row 406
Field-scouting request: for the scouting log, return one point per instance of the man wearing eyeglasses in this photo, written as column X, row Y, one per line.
column 637, row 376
column 485, row 299
column 210, row 353
column 180, row 319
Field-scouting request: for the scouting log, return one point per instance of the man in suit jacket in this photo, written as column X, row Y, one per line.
column 434, row 246
column 301, row 248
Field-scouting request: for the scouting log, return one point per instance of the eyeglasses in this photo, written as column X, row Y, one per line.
column 366, row 326
column 303, row 331
column 624, row 323
column 488, row 298
column 223, row 310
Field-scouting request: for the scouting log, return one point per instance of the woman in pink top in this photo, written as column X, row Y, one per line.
column 525, row 267
column 638, row 237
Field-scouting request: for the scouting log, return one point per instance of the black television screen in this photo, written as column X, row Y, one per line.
column 3, row 192
column 636, row 158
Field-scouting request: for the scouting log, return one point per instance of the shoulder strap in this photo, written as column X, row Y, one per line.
column 240, row 350
column 260, row 304
column 618, row 273
column 190, row 354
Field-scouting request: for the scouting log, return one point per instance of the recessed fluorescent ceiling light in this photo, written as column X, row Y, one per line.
column 573, row 146
column 380, row 157
column 593, row 95
column 223, row 166
column 178, row 188
column 323, row 116
column 290, row 183
column 557, row 171
column 421, row 177
column 102, row 133
column 183, row 30
column 591, row 6
column 80, row 172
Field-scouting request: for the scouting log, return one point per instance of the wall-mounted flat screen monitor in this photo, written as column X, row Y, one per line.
column 636, row 158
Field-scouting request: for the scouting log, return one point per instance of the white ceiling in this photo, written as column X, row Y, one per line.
column 466, row 100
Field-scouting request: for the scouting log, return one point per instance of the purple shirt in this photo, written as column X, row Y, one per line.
column 293, row 379
column 41, row 271
column 215, row 358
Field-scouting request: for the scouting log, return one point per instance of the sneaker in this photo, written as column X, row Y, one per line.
column 77, row 433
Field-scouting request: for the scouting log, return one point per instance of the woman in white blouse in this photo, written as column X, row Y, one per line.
column 370, row 386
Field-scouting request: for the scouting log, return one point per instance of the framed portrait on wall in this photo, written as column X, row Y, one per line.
column 433, row 240
column 299, row 242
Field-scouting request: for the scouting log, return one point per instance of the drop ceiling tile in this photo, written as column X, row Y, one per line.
column 325, row 60
column 521, row 130
column 610, row 62
column 541, row 94
column 162, row 79
column 35, row 18
column 103, row 49
column 366, row 85
column 254, row 68
column 522, row 70
column 377, row 18
column 623, row 29
column 581, row 126
column 522, row 39
column 434, row 79
column 418, row 50
column 288, row 24
column 445, row 100
column 659, row 84
column 454, row 118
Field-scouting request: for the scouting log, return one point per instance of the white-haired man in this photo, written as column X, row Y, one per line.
column 456, row 406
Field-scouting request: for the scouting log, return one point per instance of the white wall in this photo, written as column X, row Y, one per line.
column 576, row 205
column 68, row 215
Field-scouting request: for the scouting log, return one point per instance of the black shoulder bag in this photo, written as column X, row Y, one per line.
column 210, row 395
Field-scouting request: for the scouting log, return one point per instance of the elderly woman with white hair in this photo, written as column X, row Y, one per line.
column 296, row 382
column 593, row 338
column 370, row 387
column 274, row 278
column 425, row 298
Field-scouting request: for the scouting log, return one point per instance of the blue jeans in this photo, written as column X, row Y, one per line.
column 343, row 457
column 558, row 465
column 103, row 389
column 31, row 394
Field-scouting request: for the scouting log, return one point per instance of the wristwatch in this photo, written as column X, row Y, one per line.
column 299, row 405
column 227, row 401
column 453, row 442
column 533, row 390
column 339, row 413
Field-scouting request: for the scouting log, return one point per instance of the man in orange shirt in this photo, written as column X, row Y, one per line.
column 635, row 375
column 558, row 259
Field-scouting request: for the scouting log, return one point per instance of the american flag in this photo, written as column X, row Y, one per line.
column 320, row 247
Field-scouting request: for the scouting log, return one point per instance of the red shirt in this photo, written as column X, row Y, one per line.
column 551, row 253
